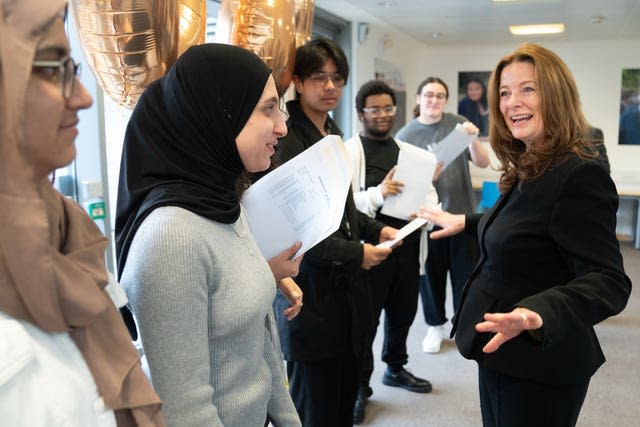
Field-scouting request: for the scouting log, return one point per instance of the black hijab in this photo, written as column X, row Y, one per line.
column 179, row 146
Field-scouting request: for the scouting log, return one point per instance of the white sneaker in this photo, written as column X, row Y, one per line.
column 432, row 341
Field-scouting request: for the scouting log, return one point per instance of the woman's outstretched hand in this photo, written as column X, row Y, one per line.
column 451, row 224
column 507, row 326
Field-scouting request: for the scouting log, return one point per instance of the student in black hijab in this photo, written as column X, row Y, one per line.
column 198, row 286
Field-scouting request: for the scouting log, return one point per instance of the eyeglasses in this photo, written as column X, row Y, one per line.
column 62, row 71
column 321, row 79
column 389, row 110
column 439, row 96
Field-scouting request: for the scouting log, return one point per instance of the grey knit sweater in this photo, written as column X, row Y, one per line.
column 201, row 293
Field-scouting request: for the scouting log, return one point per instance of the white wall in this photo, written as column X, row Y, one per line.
column 596, row 67
column 363, row 54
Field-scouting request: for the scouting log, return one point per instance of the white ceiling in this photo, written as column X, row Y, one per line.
column 481, row 21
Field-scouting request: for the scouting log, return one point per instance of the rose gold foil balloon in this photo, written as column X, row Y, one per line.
column 304, row 20
column 266, row 27
column 193, row 23
column 130, row 43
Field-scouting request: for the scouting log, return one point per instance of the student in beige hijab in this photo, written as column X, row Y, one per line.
column 66, row 357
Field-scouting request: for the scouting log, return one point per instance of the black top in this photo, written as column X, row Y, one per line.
column 548, row 245
column 380, row 157
column 337, row 306
column 597, row 139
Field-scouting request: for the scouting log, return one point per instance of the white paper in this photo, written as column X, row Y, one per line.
column 453, row 145
column 403, row 232
column 301, row 200
column 415, row 170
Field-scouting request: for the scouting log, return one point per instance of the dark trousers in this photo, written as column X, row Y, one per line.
column 507, row 401
column 457, row 255
column 324, row 392
column 394, row 289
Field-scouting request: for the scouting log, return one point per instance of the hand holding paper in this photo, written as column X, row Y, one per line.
column 374, row 255
column 391, row 186
column 284, row 264
column 455, row 143
column 403, row 232
column 302, row 200
column 415, row 169
column 451, row 223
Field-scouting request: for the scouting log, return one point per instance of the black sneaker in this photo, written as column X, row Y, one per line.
column 361, row 403
column 406, row 380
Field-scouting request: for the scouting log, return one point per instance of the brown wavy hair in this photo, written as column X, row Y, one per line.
column 565, row 127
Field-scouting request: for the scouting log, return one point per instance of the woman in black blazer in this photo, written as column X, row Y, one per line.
column 550, row 265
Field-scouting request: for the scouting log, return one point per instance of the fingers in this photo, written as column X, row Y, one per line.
column 507, row 326
column 388, row 233
column 290, row 289
column 377, row 259
column 390, row 186
column 290, row 252
column 495, row 343
column 296, row 305
column 390, row 174
column 439, row 234
column 283, row 266
column 373, row 256
column 519, row 318
column 501, row 322
column 428, row 215
column 295, row 298
column 291, row 313
column 393, row 187
column 470, row 128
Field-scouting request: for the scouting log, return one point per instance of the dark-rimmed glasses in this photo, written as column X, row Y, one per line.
column 389, row 110
column 62, row 71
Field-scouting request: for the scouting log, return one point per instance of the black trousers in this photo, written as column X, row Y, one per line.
column 394, row 289
column 507, row 401
column 324, row 392
column 457, row 255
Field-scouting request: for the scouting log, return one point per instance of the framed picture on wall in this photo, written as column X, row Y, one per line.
column 629, row 132
column 472, row 98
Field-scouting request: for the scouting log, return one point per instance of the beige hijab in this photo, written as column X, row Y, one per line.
column 52, row 270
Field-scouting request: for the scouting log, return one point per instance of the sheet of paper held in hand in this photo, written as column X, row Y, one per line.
column 415, row 169
column 453, row 145
column 403, row 232
column 301, row 200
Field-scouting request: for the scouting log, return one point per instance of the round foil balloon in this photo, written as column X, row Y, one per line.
column 129, row 44
column 266, row 27
column 304, row 21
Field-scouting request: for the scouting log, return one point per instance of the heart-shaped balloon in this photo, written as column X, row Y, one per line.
column 193, row 23
column 129, row 44
column 304, row 20
column 266, row 27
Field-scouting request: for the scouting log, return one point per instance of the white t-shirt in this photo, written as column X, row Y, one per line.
column 45, row 381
